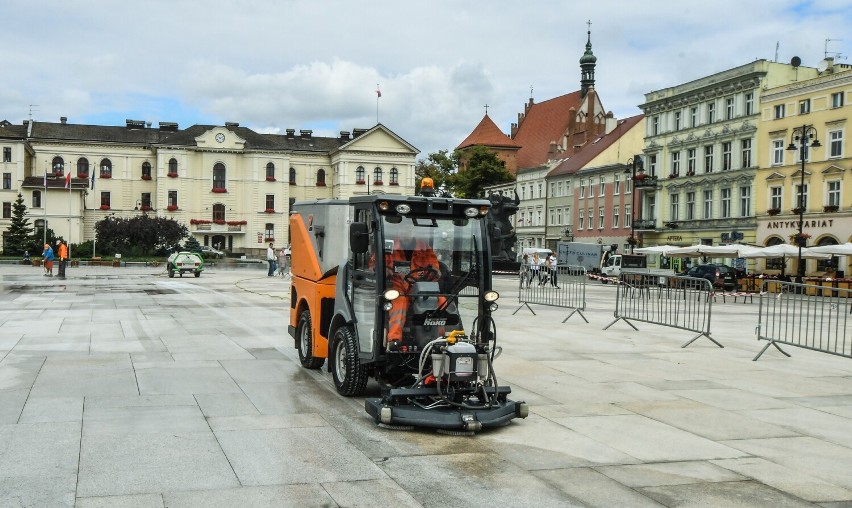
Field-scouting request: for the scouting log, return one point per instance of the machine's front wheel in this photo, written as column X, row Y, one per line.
column 305, row 335
column 350, row 377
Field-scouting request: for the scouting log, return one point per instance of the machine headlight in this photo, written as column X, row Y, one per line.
column 384, row 206
column 387, row 306
column 491, row 296
column 391, row 294
column 493, row 307
column 403, row 209
column 471, row 212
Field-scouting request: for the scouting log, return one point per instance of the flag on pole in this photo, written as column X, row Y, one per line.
column 93, row 180
column 378, row 91
column 45, row 179
column 68, row 181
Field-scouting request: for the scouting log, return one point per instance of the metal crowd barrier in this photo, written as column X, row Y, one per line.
column 563, row 287
column 666, row 300
column 805, row 316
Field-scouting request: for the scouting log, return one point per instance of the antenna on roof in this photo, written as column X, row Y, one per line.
column 531, row 91
column 777, row 45
column 32, row 108
column 835, row 54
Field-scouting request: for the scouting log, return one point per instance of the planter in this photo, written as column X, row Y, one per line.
column 219, row 190
column 672, row 175
column 320, row 184
column 830, row 208
column 146, row 177
column 690, row 173
column 773, row 211
column 172, row 208
column 172, row 175
column 145, row 208
column 377, row 183
column 359, row 182
column 797, row 210
column 269, row 239
column 269, row 210
column 106, row 176
column 270, row 178
column 104, row 207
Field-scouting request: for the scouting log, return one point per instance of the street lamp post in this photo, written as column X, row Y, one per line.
column 634, row 165
column 805, row 136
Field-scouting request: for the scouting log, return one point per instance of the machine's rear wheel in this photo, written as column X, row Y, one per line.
column 350, row 377
column 198, row 274
column 171, row 274
column 304, row 333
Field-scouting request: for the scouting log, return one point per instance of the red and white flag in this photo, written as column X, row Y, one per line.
column 68, row 180
column 378, row 91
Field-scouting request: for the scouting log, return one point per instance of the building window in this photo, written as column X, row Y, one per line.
column 779, row 111
column 729, row 108
column 394, row 176
column 601, row 218
column 270, row 171
column 690, row 205
column 377, row 176
column 655, row 125
column 745, row 149
column 7, row 154
column 628, row 185
column 677, row 120
column 105, row 201
column 601, row 185
column 82, row 167
column 708, row 159
column 538, row 218
column 559, row 216
column 146, row 170
column 219, row 213
column 804, row 106
column 173, row 199
column 674, row 206
column 693, row 117
column 552, row 189
column 7, row 210
column 726, row 202
column 7, row 181
column 559, row 189
column 711, row 112
column 726, row 156
column 359, row 174
column 37, row 199
column 628, row 217
column 802, row 196
column 580, row 219
column 652, row 166
column 270, row 202
column 219, row 177
column 58, row 166
column 833, row 192
column 614, row 217
column 676, row 163
column 541, row 192
column 708, row 204
column 690, row 161
column 106, row 168
column 835, row 144
column 775, row 198
column 146, row 201
column 173, row 167
column 582, row 188
column 269, row 232
column 777, row 152
column 745, row 201
column 616, row 185
column 837, row 100
column 292, row 176
column 321, row 177
column 749, row 103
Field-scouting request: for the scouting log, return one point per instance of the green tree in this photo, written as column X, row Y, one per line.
column 439, row 166
column 482, row 168
column 192, row 245
column 18, row 237
column 142, row 235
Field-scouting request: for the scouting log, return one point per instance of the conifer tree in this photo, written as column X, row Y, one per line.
column 19, row 234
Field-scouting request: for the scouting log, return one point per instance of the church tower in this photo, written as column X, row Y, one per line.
column 587, row 67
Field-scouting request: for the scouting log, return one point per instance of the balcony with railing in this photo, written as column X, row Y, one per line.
column 645, row 224
column 647, row 182
column 216, row 226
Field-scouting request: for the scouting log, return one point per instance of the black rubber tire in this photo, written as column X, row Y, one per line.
column 305, row 338
column 350, row 377
column 198, row 274
column 171, row 274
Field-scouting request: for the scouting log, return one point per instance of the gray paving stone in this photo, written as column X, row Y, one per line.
column 38, row 490
column 369, row 494
column 586, row 487
column 12, row 404
column 143, row 420
column 808, row 421
column 265, row 422
column 52, row 409
column 304, row 495
column 182, row 378
column 671, row 473
column 225, row 404
column 809, row 487
column 132, row 501
column 723, row 495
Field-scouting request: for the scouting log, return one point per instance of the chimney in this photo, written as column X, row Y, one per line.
column 63, row 120
column 305, row 133
column 344, row 135
column 232, row 124
column 291, row 133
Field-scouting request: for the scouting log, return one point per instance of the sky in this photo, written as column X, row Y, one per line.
column 316, row 64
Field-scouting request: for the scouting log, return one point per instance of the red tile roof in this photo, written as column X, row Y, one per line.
column 577, row 161
column 544, row 122
column 488, row 134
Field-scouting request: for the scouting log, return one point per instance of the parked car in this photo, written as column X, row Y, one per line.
column 208, row 251
column 721, row 276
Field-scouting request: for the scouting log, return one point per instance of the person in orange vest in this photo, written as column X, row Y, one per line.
column 63, row 257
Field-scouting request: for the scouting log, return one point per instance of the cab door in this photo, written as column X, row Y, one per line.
column 363, row 290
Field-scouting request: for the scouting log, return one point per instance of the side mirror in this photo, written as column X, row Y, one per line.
column 359, row 237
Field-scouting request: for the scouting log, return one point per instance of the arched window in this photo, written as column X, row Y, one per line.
column 58, row 166
column 359, row 174
column 377, row 176
column 394, row 176
column 219, row 177
column 774, row 263
column 270, row 172
column 146, row 170
column 269, row 232
column 106, row 168
column 824, row 264
column 321, row 177
column 218, row 213
column 82, row 167
column 37, row 199
column 173, row 168
column 292, row 176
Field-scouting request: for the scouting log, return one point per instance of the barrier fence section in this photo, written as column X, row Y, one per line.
column 805, row 316
column 666, row 300
column 564, row 286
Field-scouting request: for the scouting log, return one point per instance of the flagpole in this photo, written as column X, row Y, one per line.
column 68, row 239
column 378, row 96
column 44, row 206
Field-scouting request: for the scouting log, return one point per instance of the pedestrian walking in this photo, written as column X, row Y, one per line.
column 48, row 260
column 270, row 258
column 526, row 275
column 535, row 267
column 553, row 270
column 63, row 257
column 282, row 262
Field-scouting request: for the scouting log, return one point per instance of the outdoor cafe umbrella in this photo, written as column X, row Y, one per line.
column 656, row 249
column 784, row 250
column 734, row 250
column 844, row 249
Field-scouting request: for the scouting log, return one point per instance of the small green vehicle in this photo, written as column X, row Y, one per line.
column 185, row 262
